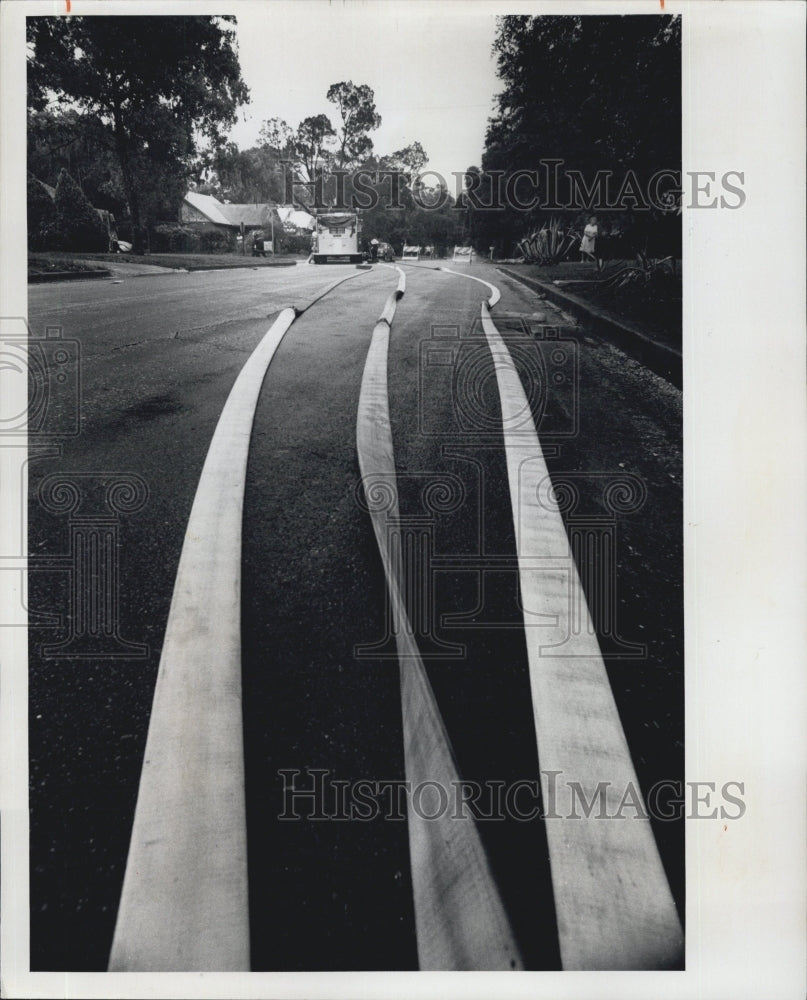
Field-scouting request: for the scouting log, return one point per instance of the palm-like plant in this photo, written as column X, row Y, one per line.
column 549, row 244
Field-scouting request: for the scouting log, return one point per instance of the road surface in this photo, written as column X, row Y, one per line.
column 159, row 356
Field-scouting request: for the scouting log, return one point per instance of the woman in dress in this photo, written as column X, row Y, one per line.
column 589, row 239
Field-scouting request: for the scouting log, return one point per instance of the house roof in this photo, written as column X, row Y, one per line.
column 225, row 214
column 207, row 205
column 250, row 215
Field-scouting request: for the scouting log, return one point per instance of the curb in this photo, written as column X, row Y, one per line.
column 35, row 279
column 660, row 358
column 238, row 267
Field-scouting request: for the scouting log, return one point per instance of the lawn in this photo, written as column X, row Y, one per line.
column 41, row 263
column 48, row 263
column 195, row 261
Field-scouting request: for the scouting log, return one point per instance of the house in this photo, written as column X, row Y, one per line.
column 204, row 212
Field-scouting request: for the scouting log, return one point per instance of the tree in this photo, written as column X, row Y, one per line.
column 41, row 213
column 85, row 147
column 597, row 93
column 78, row 226
column 409, row 161
column 241, row 176
column 600, row 91
column 358, row 117
column 277, row 134
column 157, row 84
column 311, row 141
column 69, row 140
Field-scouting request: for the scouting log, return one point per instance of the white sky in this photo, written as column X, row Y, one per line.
column 430, row 67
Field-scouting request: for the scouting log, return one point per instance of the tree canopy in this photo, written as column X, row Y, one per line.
column 599, row 91
column 358, row 117
column 311, row 142
column 155, row 94
column 595, row 93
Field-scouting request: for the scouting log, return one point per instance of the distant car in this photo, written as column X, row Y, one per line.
column 385, row 252
column 123, row 246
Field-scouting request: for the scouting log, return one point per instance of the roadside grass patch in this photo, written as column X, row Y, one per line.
column 194, row 261
column 52, row 263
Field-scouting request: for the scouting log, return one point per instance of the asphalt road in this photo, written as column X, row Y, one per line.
column 158, row 358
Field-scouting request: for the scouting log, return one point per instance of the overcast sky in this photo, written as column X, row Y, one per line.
column 431, row 70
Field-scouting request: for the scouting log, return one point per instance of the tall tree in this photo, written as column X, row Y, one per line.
column 277, row 134
column 594, row 92
column 157, row 83
column 358, row 117
column 311, row 142
column 242, row 176
column 409, row 161
column 601, row 91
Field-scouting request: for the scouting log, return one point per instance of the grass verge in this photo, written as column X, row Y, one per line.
column 194, row 261
column 52, row 263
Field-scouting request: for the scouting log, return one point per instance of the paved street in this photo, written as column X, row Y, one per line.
column 159, row 356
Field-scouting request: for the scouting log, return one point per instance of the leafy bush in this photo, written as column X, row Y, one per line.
column 41, row 214
column 292, row 242
column 173, row 239
column 214, row 241
column 77, row 225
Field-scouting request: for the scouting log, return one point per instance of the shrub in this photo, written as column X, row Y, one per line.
column 41, row 214
column 173, row 239
column 292, row 242
column 77, row 225
column 214, row 241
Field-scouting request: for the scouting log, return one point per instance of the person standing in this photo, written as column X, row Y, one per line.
column 587, row 244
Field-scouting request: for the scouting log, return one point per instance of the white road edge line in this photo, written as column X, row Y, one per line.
column 613, row 902
column 460, row 921
column 184, row 902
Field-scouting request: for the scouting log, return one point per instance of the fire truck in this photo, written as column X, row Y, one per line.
column 337, row 239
